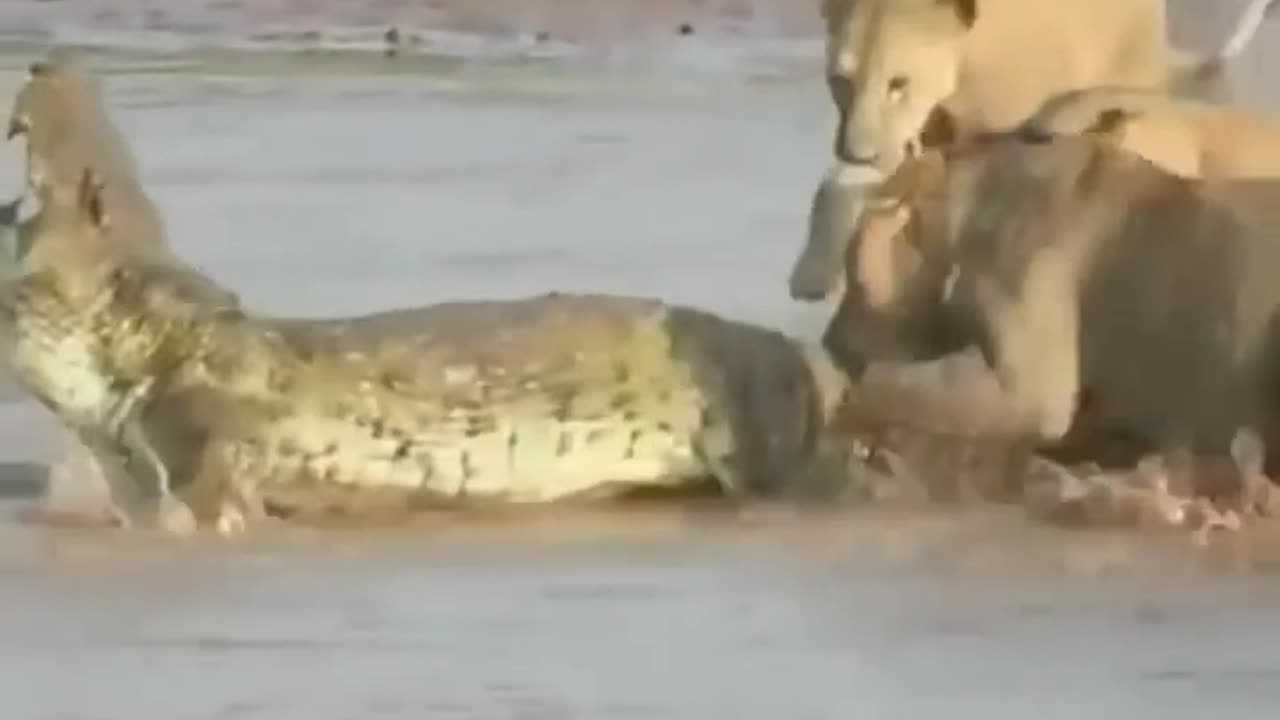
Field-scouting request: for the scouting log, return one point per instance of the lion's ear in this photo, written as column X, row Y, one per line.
column 966, row 10
column 869, row 261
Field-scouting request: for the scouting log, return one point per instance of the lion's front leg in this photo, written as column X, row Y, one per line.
column 958, row 394
column 1035, row 347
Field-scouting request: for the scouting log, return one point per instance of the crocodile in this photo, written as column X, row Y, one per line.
column 61, row 114
column 231, row 417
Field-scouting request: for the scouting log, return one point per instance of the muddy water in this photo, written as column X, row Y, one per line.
column 320, row 193
column 653, row 616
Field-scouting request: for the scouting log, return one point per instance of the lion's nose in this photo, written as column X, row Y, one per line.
column 846, row 153
column 847, row 147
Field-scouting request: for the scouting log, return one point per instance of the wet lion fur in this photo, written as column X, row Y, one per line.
column 1072, row 263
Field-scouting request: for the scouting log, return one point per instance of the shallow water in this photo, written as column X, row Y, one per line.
column 322, row 193
column 652, row 616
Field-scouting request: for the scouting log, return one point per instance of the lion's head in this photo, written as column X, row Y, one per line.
column 890, row 63
column 897, row 265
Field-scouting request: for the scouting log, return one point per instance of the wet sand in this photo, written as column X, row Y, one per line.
column 334, row 183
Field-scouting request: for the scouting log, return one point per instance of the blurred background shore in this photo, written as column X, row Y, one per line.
column 602, row 31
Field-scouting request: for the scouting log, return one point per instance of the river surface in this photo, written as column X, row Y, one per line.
column 327, row 185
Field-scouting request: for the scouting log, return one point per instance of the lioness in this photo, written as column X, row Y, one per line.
column 1183, row 136
column 1066, row 262
column 907, row 73
column 989, row 64
column 61, row 114
column 531, row 400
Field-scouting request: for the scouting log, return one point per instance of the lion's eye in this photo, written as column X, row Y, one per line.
column 897, row 85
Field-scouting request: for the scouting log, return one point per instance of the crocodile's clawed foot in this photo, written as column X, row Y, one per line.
column 231, row 523
column 894, row 479
column 239, row 510
column 170, row 515
column 236, row 517
column 120, row 518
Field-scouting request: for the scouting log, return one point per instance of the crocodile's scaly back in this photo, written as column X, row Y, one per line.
column 524, row 401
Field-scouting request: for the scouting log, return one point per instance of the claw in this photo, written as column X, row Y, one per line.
column 231, row 522
column 173, row 516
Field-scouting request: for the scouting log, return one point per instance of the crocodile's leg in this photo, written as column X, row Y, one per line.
column 237, row 502
column 223, row 490
column 167, row 511
column 126, row 501
column 126, row 427
column 716, row 446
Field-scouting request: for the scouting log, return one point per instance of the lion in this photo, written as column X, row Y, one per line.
column 1184, row 136
column 219, row 417
column 1008, row 274
column 989, row 64
column 906, row 74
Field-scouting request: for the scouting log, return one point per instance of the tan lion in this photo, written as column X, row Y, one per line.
column 1062, row 264
column 910, row 73
column 1186, row 137
column 990, row 64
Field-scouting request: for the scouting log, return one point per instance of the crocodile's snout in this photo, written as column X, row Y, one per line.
column 18, row 125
